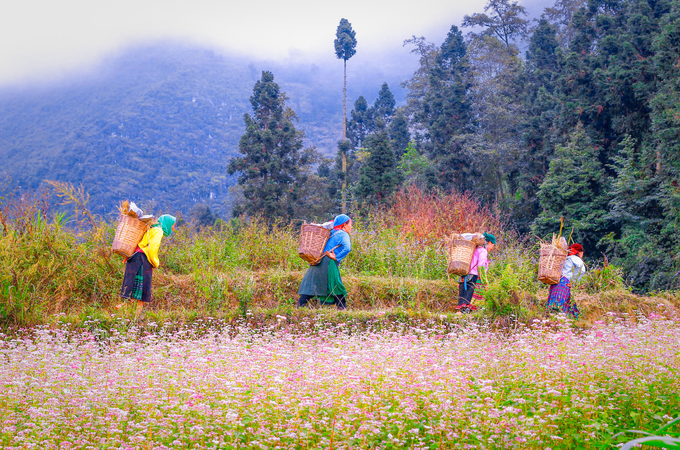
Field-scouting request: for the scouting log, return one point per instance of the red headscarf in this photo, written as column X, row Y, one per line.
column 575, row 249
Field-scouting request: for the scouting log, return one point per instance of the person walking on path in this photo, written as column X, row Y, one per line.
column 559, row 297
column 139, row 267
column 323, row 279
column 472, row 286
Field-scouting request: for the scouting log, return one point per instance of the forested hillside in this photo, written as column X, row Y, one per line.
column 158, row 124
column 584, row 125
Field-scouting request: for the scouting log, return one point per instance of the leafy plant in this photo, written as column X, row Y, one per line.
column 660, row 437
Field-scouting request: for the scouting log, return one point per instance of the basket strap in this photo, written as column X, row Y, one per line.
column 324, row 254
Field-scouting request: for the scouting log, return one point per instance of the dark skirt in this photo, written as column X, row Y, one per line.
column 137, row 279
column 559, row 298
column 323, row 280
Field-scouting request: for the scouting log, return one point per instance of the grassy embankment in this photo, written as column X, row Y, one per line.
column 51, row 274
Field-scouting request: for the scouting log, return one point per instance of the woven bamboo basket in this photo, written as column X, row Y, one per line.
column 128, row 234
column 550, row 264
column 460, row 256
column 313, row 239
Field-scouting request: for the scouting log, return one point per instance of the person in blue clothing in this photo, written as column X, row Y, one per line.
column 323, row 279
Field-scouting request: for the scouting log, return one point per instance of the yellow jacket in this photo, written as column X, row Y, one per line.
column 150, row 244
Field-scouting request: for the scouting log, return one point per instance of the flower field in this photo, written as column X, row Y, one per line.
column 444, row 385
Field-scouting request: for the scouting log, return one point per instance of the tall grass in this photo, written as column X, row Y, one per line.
column 50, row 264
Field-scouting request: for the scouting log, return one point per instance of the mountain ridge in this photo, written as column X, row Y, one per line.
column 158, row 124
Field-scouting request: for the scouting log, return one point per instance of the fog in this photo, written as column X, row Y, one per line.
column 45, row 40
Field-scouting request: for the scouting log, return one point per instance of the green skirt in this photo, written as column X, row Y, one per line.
column 323, row 281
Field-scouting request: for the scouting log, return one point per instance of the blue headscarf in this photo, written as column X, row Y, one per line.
column 340, row 220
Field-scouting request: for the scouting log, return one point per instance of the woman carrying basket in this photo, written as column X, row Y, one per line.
column 559, row 297
column 472, row 286
column 139, row 267
column 322, row 280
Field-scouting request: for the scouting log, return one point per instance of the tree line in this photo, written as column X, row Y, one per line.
column 584, row 124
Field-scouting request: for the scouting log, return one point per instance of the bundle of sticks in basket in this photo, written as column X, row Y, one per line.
column 132, row 225
column 551, row 260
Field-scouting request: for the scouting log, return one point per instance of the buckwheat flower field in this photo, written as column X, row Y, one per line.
column 441, row 385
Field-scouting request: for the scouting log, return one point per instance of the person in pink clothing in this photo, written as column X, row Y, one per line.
column 471, row 287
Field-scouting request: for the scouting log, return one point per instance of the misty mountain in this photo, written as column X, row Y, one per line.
column 158, row 124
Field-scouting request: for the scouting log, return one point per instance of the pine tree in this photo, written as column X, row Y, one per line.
column 613, row 80
column 399, row 133
column 419, row 83
column 575, row 187
column 345, row 48
column 560, row 15
column 444, row 111
column 360, row 125
column 271, row 170
column 378, row 177
column 541, row 104
column 383, row 107
column 636, row 210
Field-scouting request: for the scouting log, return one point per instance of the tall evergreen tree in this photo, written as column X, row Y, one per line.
column 612, row 79
column 541, row 104
column 360, row 124
column 378, row 177
column 399, row 133
column 419, row 83
column 444, row 111
column 636, row 209
column 575, row 187
column 383, row 107
column 271, row 170
column 345, row 48
column 560, row 15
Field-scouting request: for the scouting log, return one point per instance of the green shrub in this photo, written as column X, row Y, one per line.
column 603, row 279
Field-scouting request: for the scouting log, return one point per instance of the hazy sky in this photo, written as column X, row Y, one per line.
column 41, row 38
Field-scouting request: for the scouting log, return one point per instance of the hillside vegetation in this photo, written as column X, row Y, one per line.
column 581, row 127
column 159, row 124
column 50, row 273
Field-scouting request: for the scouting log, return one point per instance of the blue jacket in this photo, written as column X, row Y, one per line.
column 341, row 238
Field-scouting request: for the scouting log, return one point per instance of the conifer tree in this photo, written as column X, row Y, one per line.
column 541, row 103
column 271, row 170
column 399, row 133
column 345, row 48
column 360, row 124
column 418, row 85
column 495, row 96
column 637, row 212
column 383, row 107
column 577, row 188
column 379, row 176
column 444, row 111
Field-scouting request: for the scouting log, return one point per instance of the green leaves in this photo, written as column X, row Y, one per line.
column 576, row 187
column 653, row 439
column 273, row 168
column 345, row 41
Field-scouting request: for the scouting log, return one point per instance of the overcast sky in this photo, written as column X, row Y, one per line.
column 41, row 38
